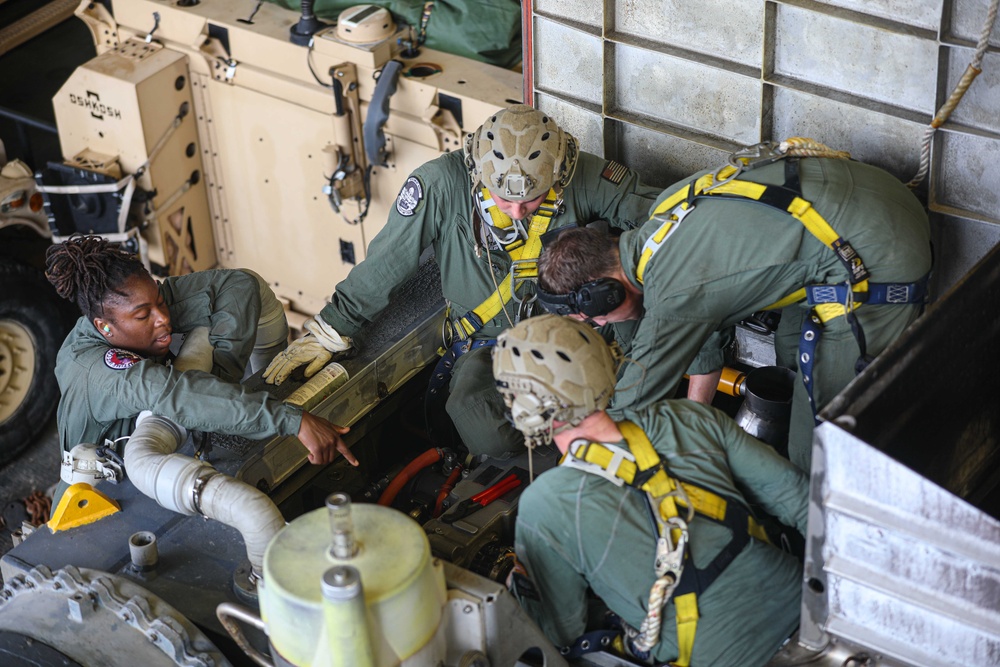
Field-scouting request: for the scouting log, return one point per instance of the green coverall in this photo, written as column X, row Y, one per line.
column 576, row 530
column 730, row 258
column 442, row 217
column 100, row 401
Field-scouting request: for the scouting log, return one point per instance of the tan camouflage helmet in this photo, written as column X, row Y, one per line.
column 552, row 368
column 519, row 153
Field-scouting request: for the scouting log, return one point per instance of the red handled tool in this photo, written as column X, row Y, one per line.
column 481, row 499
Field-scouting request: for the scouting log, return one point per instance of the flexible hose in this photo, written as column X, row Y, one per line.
column 157, row 470
column 446, row 488
column 971, row 72
column 173, row 481
column 245, row 508
column 430, row 457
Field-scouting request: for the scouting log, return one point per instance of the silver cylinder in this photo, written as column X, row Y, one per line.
column 142, row 548
column 343, row 545
column 341, row 583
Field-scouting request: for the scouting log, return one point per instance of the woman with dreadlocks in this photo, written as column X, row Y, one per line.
column 114, row 363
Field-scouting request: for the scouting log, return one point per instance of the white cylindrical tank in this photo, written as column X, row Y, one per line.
column 403, row 586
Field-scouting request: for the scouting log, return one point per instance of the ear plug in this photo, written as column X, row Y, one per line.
column 107, row 329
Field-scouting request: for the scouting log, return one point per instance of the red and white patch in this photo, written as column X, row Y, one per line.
column 120, row 359
column 614, row 172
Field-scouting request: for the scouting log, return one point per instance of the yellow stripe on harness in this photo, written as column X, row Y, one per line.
column 681, row 202
column 665, row 494
column 524, row 254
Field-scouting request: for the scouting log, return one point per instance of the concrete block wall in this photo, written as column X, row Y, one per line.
column 671, row 87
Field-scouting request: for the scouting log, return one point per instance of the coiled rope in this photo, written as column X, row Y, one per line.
column 806, row 147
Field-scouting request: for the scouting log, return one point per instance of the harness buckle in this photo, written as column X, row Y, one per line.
column 746, row 159
column 755, row 156
column 669, row 554
column 680, row 213
column 523, row 271
column 577, row 459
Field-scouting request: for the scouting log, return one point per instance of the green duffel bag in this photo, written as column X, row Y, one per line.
column 484, row 30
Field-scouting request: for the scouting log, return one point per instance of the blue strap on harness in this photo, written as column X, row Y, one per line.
column 446, row 364
column 878, row 293
column 590, row 642
column 812, row 328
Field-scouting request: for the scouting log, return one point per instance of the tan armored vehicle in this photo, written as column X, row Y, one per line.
column 203, row 137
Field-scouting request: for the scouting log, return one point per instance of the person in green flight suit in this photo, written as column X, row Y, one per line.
column 112, row 364
column 841, row 248
column 650, row 511
column 483, row 210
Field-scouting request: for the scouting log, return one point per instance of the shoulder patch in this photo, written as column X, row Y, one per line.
column 120, row 359
column 614, row 172
column 410, row 196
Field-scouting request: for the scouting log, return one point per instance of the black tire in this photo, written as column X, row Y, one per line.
column 33, row 324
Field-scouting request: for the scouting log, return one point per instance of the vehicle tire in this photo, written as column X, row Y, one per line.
column 33, row 323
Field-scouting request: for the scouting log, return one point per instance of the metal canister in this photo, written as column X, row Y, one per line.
column 767, row 405
column 319, row 386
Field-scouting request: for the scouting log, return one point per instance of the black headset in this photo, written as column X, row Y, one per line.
column 593, row 299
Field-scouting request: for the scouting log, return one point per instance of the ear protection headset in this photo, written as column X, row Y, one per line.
column 593, row 299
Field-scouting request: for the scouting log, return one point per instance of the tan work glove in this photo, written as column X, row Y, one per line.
column 315, row 348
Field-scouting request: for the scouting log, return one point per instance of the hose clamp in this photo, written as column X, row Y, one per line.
column 199, row 487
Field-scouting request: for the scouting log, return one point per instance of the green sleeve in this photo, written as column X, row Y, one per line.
column 193, row 399
column 557, row 597
column 662, row 350
column 393, row 256
column 711, row 357
column 620, row 197
column 780, row 487
column 227, row 301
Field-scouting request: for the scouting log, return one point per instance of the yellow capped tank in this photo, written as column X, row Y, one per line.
column 310, row 597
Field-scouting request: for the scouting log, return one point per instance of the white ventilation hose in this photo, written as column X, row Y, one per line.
column 188, row 486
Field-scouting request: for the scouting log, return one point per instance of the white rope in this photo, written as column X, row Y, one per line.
column 971, row 72
column 649, row 631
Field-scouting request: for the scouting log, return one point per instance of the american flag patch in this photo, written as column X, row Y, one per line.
column 614, row 172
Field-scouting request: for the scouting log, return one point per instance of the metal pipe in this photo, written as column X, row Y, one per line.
column 343, row 545
column 229, row 614
column 143, row 551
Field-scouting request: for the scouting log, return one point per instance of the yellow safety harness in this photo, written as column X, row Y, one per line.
column 672, row 504
column 524, row 259
column 828, row 301
column 723, row 182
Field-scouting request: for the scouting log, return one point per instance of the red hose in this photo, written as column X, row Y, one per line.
column 430, row 457
column 446, row 488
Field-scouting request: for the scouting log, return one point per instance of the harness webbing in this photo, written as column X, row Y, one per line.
column 524, row 260
column 785, row 199
column 829, row 301
column 672, row 503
